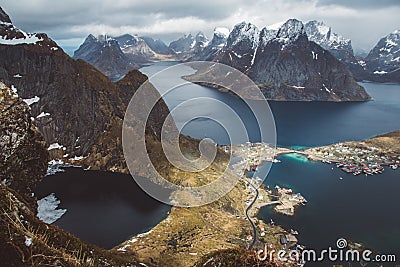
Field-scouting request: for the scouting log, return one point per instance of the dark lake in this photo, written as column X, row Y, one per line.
column 103, row 208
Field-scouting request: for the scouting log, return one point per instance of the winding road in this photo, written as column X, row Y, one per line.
column 248, row 217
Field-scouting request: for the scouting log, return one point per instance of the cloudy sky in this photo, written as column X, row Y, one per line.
column 69, row 22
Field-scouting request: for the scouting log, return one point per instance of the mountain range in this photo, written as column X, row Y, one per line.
column 286, row 65
column 380, row 65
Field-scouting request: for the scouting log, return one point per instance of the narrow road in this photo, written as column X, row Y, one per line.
column 248, row 217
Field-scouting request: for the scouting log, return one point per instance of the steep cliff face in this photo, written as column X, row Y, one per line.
column 23, row 158
column 71, row 102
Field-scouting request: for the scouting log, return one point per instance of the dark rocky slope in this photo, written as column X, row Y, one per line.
column 24, row 239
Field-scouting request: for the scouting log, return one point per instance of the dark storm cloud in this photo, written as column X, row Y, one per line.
column 49, row 13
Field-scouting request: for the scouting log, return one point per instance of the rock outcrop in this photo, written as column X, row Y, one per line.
column 24, row 156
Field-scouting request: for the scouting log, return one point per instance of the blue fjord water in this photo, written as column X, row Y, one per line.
column 362, row 209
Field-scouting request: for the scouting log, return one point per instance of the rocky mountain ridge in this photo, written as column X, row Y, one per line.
column 287, row 66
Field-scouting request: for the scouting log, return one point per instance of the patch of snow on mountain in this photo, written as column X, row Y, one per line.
column 43, row 114
column 56, row 146
column 290, row 31
column 245, row 31
column 32, row 100
column 28, row 39
column 380, row 72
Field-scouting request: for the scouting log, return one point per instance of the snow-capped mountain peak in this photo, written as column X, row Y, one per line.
column 319, row 32
column 267, row 34
column 290, row 31
column 244, row 32
column 200, row 40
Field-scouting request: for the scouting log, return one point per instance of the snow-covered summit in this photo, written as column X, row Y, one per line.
column 267, row 34
column 319, row 32
column 246, row 32
column 290, row 31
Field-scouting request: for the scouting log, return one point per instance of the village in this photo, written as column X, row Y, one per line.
column 355, row 160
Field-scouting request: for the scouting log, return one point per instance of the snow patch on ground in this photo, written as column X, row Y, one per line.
column 55, row 166
column 380, row 72
column 297, row 87
column 47, row 209
column 30, row 101
column 28, row 39
column 144, row 234
column 28, row 241
column 56, row 146
column 43, row 114
column 14, row 89
column 78, row 158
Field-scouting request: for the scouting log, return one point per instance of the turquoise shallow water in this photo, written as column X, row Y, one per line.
column 295, row 156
